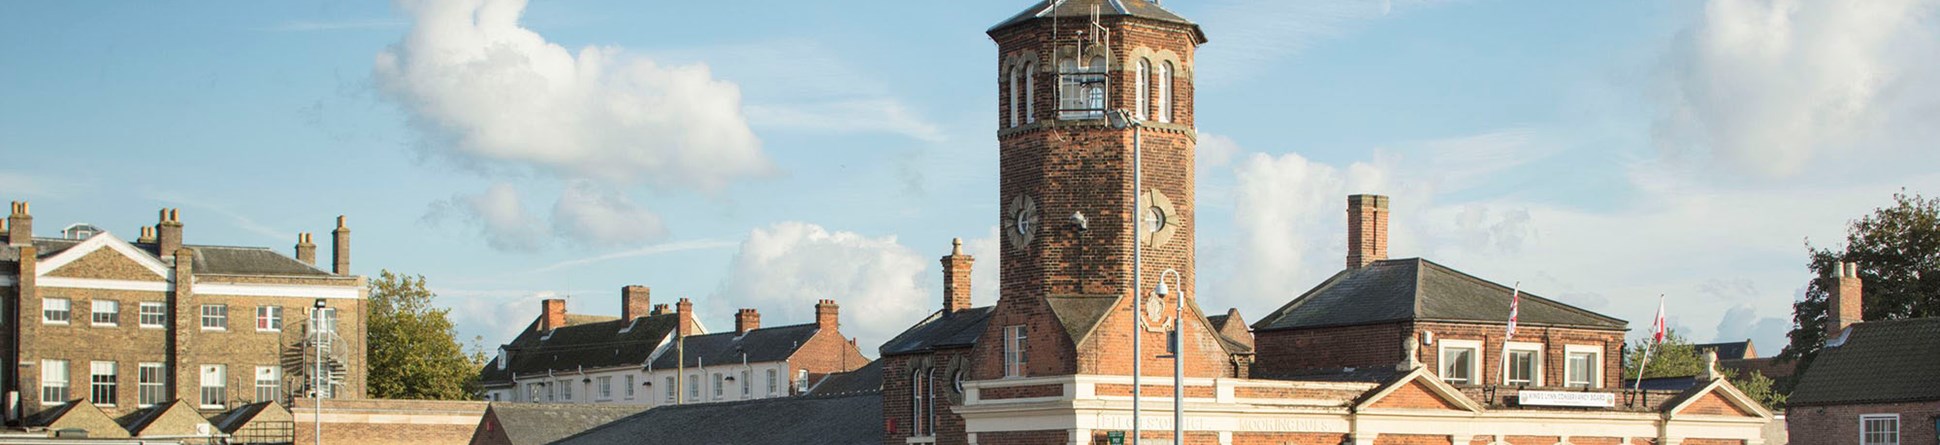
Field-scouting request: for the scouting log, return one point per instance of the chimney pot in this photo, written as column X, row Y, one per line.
column 827, row 315
column 635, row 301
column 552, row 314
column 168, row 233
column 20, row 225
column 685, row 311
column 660, row 309
column 1367, row 230
column 956, row 278
column 1845, row 304
column 747, row 319
column 306, row 251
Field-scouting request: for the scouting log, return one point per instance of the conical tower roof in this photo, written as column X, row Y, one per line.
column 1081, row 9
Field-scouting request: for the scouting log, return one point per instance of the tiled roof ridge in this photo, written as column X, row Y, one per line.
column 1459, row 273
column 1302, row 299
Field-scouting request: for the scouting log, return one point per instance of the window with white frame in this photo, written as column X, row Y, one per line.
column 773, row 383
column 566, row 390
column 1014, row 106
column 102, row 385
column 53, row 381
column 747, row 386
column 55, row 311
column 269, row 384
column 269, row 318
column 328, row 318
column 1460, row 361
column 693, row 387
column 916, row 404
column 1071, row 100
column 717, row 386
column 151, row 384
column 1095, row 90
column 1163, row 100
column 532, row 392
column 1030, row 92
column 154, row 314
column 1014, row 337
column 215, row 317
column 1879, row 429
column 669, row 384
column 929, row 400
column 606, row 387
column 1582, row 366
column 1524, row 366
column 105, row 313
column 215, row 386
column 1142, row 89
column 629, row 386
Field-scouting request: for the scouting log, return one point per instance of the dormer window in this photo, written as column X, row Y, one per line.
column 504, row 355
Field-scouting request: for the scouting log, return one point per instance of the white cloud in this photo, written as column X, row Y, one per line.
column 1290, row 216
column 500, row 215
column 785, row 268
column 485, row 89
column 986, row 276
column 1253, row 33
column 877, row 115
column 1772, row 87
column 590, row 215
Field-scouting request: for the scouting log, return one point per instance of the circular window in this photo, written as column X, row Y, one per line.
column 956, row 381
column 1154, row 219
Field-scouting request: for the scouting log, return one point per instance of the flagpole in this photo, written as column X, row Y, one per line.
column 1657, row 336
column 1514, row 295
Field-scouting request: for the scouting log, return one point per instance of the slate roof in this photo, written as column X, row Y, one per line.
column 1664, row 383
column 540, row 424
column 761, row 345
column 235, row 419
column 1728, row 350
column 864, row 379
column 834, row 420
column 940, row 331
column 1880, row 362
column 1081, row 10
column 1415, row 289
column 587, row 341
column 1080, row 314
column 222, row 260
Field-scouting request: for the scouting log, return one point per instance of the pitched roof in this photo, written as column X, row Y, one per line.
column 539, row 424
column 235, row 419
column 761, row 345
column 1880, row 362
column 586, row 342
column 170, row 419
column 1081, row 10
column 864, row 379
column 1080, row 314
column 1415, row 289
column 854, row 419
column 1728, row 350
column 222, row 260
column 940, row 330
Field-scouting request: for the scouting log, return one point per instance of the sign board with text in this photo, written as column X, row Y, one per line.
column 1568, row 398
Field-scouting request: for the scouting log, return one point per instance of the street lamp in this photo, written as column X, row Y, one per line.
column 1178, row 352
column 1120, row 119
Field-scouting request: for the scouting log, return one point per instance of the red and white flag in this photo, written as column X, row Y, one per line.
column 1657, row 327
column 1515, row 300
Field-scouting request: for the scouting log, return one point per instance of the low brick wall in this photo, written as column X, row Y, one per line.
column 374, row 422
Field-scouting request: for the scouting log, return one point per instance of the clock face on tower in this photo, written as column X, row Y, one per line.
column 1021, row 221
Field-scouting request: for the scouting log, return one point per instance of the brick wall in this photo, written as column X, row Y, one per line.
column 827, row 352
column 1287, row 438
column 384, row 422
column 897, row 385
column 1412, row 439
column 1839, row 424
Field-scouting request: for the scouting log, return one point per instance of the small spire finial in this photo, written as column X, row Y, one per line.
column 956, row 246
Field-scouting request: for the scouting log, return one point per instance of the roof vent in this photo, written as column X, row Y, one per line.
column 80, row 231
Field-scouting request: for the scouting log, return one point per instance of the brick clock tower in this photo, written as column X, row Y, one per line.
column 1080, row 82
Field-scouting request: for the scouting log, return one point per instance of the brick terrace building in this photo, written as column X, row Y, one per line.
column 1052, row 361
column 663, row 356
column 120, row 325
column 1876, row 382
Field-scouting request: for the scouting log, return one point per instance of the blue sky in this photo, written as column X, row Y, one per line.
column 769, row 154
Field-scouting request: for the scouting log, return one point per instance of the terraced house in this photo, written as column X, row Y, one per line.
column 119, row 325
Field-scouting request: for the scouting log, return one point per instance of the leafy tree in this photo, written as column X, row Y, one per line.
column 1677, row 357
column 413, row 350
column 1898, row 252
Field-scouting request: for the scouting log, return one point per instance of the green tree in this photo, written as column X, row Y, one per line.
column 1898, row 252
column 1677, row 357
column 413, row 350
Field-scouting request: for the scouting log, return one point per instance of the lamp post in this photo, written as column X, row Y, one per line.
column 1121, row 119
column 316, row 378
column 1178, row 353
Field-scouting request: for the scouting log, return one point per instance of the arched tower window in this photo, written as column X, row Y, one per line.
column 1095, row 89
column 1164, row 97
column 1071, row 100
column 1142, row 79
column 916, row 403
column 1013, row 97
column 1030, row 92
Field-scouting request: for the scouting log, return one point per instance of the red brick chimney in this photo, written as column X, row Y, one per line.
column 1367, row 230
column 956, row 278
column 1843, row 306
column 552, row 314
column 147, row 235
column 635, row 302
column 660, row 309
column 340, row 251
column 306, row 250
column 168, row 233
column 746, row 320
column 20, row 225
column 685, row 311
column 825, row 315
